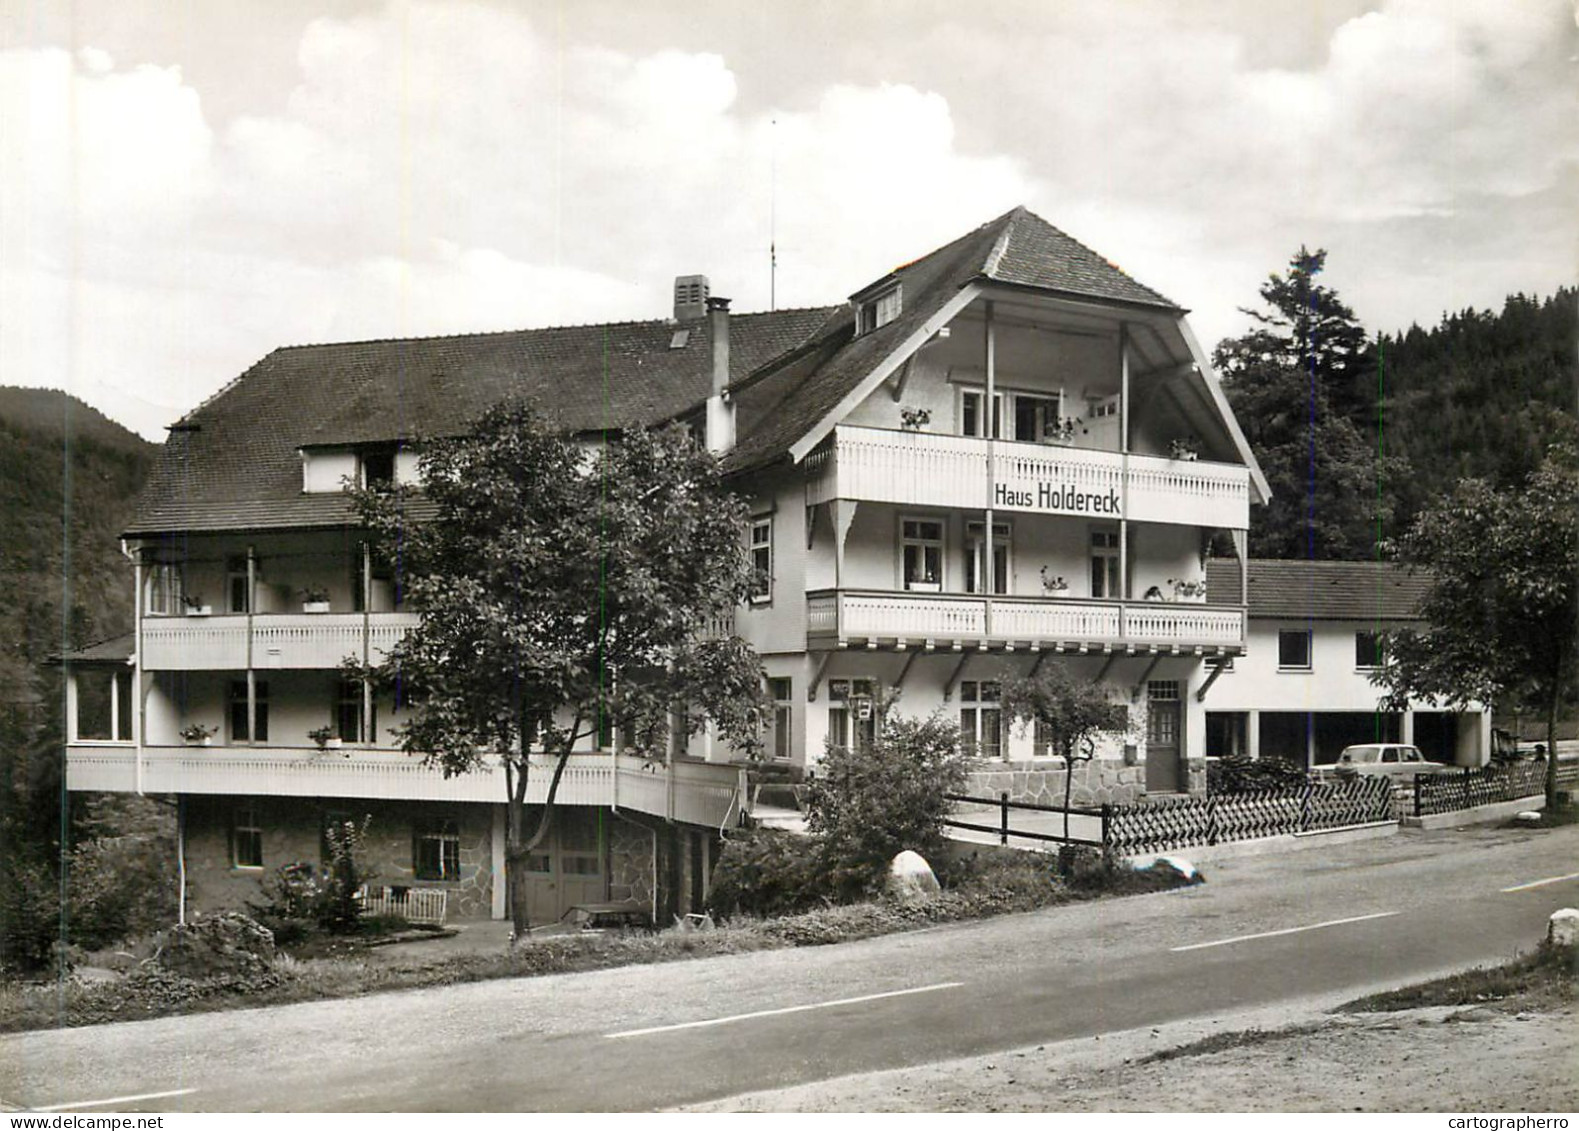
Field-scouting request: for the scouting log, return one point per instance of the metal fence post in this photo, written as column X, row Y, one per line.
column 1003, row 817
column 1107, row 826
column 1466, row 788
column 1211, row 819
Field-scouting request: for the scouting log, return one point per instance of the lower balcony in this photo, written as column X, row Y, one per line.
column 702, row 793
column 838, row 618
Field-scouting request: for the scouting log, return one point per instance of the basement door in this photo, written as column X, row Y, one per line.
column 568, row 868
column 1162, row 736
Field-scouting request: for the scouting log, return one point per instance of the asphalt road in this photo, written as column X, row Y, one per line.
column 1262, row 930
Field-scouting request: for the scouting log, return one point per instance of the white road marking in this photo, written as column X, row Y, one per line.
column 116, row 1100
column 1285, row 931
column 1543, row 883
column 779, row 1012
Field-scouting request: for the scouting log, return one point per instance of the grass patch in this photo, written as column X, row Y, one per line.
column 1543, row 979
column 1222, row 1042
column 994, row 886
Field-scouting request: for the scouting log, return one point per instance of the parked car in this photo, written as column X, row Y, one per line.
column 1391, row 759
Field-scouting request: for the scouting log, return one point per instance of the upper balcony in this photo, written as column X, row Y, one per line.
column 269, row 640
column 936, row 470
column 703, row 793
column 845, row 617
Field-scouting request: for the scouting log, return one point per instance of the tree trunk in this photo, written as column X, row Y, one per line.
column 1551, row 748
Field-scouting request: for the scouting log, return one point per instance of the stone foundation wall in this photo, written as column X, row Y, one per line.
column 292, row 830
column 630, row 861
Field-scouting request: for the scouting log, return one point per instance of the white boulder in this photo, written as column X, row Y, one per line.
column 1528, row 817
column 1562, row 929
column 911, row 878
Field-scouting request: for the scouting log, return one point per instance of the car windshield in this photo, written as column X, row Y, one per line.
column 1364, row 753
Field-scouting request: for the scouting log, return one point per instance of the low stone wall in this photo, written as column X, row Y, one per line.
column 1101, row 781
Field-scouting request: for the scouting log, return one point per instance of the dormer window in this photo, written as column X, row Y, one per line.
column 378, row 467
column 878, row 310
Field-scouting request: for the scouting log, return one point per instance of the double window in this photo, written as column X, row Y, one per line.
column 921, row 554
column 348, row 714
column 981, row 718
column 164, row 593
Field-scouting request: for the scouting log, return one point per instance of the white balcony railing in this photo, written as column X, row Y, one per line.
column 934, row 470
column 702, row 793
column 277, row 640
column 842, row 615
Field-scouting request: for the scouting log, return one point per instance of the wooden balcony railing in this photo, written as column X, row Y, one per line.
column 935, row 470
column 277, row 640
column 840, row 616
column 702, row 793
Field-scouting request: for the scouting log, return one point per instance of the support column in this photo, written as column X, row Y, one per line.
column 252, row 678
column 1406, row 732
column 1123, row 447
column 1253, row 733
column 498, row 908
column 990, row 428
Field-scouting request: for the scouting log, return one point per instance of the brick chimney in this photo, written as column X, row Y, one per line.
column 720, row 409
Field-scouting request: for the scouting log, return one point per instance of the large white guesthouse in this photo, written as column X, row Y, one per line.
column 1005, row 453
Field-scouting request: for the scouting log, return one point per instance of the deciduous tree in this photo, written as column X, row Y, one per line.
column 1502, row 611
column 565, row 592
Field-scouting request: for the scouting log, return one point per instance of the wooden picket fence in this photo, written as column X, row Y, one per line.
column 1168, row 823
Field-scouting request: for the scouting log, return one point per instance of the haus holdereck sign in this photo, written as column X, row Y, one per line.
column 1056, row 498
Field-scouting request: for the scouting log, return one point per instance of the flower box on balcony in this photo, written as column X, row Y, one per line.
column 315, row 606
column 198, row 610
column 925, row 587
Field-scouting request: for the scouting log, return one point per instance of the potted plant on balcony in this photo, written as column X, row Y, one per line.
column 325, row 737
column 315, row 599
column 196, row 734
column 926, row 583
column 1184, row 448
column 914, row 419
column 1054, row 586
column 195, row 606
column 1188, row 590
column 1063, row 431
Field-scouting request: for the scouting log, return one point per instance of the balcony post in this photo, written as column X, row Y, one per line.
column 1123, row 447
column 990, row 414
column 252, row 679
column 367, row 648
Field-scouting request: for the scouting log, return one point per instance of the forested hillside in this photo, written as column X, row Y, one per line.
column 1481, row 394
column 1358, row 432
column 68, row 478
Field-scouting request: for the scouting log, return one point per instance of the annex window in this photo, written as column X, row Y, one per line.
column 378, row 467
column 778, row 742
column 1038, row 419
column 164, row 595
column 238, row 588
column 762, row 560
column 246, row 838
column 240, row 731
column 1105, row 564
column 971, row 416
column 436, row 851
column 1367, row 650
column 981, row 718
column 976, row 557
column 921, row 554
column 852, row 713
column 1293, row 650
column 104, row 705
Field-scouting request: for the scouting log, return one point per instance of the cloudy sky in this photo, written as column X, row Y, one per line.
column 186, row 184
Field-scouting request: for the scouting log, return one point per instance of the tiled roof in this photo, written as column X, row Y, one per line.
column 1033, row 253
column 232, row 464
column 1300, row 590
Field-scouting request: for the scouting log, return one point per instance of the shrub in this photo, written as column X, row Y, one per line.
column 29, row 914
column 764, row 872
column 869, row 803
column 120, row 887
column 1239, row 773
